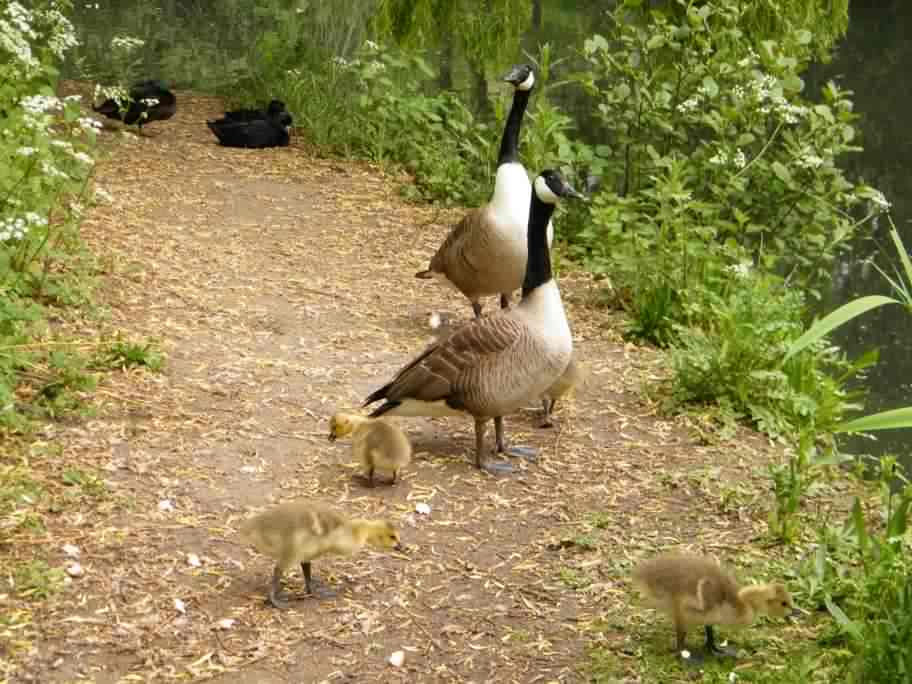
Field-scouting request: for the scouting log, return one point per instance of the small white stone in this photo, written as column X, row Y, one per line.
column 179, row 606
column 396, row 659
column 732, row 677
column 434, row 320
column 685, row 654
column 248, row 469
column 226, row 623
column 422, row 508
column 166, row 505
column 74, row 570
column 71, row 550
column 193, row 560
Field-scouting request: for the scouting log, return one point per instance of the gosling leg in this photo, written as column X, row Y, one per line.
column 695, row 659
column 313, row 586
column 504, row 301
column 715, row 650
column 547, row 407
column 370, row 476
column 495, row 468
column 476, row 307
column 276, row 597
column 527, row 453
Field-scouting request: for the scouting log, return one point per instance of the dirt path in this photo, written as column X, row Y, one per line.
column 281, row 288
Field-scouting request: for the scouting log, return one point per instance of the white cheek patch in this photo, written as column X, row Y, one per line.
column 528, row 83
column 545, row 194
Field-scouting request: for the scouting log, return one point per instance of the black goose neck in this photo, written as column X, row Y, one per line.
column 509, row 144
column 538, row 265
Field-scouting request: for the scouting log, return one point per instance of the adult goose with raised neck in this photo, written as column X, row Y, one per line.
column 485, row 253
column 494, row 365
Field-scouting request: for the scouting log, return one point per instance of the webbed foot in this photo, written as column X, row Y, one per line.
column 497, row 467
column 723, row 652
column 277, row 600
column 528, row 453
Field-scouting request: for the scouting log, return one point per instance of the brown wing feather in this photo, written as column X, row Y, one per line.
column 435, row 374
column 453, row 253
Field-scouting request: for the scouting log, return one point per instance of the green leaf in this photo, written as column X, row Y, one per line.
column 804, row 36
column 781, row 172
column 844, row 313
column 885, row 420
column 711, row 87
column 841, row 618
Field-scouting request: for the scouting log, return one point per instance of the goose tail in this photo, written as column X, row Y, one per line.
column 425, row 274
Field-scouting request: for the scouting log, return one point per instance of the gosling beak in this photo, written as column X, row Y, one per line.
column 796, row 614
column 399, row 547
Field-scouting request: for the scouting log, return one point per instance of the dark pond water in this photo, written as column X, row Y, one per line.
column 205, row 45
column 874, row 61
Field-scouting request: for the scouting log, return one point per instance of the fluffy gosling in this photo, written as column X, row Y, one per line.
column 377, row 444
column 574, row 374
column 298, row 532
column 696, row 590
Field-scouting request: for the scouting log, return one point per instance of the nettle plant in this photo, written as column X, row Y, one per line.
column 715, row 159
column 44, row 167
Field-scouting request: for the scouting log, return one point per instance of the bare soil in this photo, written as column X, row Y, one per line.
column 280, row 287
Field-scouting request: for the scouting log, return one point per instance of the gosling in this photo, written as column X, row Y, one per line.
column 572, row 377
column 696, row 590
column 298, row 532
column 377, row 444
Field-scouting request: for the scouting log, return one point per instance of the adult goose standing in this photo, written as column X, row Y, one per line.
column 149, row 101
column 485, row 253
column 492, row 366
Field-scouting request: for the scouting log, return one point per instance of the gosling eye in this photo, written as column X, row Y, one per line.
column 785, row 604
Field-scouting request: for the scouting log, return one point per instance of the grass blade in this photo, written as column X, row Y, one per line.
column 885, row 420
column 844, row 313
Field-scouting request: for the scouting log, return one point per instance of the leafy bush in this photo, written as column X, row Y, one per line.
column 715, row 159
column 44, row 168
column 734, row 357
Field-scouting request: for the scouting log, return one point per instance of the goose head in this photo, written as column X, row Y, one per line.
column 275, row 107
column 550, row 187
column 522, row 76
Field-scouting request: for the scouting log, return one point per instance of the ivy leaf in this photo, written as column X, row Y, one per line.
column 781, row 172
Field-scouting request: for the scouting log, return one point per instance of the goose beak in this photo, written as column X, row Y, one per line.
column 570, row 193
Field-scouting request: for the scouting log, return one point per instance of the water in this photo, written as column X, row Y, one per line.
column 196, row 44
column 873, row 61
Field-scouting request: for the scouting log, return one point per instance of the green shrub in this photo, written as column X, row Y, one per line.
column 715, row 159
column 44, row 168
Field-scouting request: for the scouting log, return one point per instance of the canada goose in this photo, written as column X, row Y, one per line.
column 298, row 532
column 270, row 131
column 274, row 108
column 149, row 101
column 696, row 590
column 377, row 444
column 485, row 253
column 491, row 366
column 571, row 377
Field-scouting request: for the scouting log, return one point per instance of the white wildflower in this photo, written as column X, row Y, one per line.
column 732, row 677
column 740, row 160
column 879, row 200
column 374, row 67
column 738, row 92
column 371, row 45
column 63, row 36
column 808, row 159
column 180, row 606
column 88, row 123
column 340, row 61
column 126, row 43
column 62, row 144
column 689, row 105
column 34, row 219
column 740, row 270
column 73, row 98
column 165, row 505
column 39, row 104
column 150, row 101
column 26, row 151
column 84, row 158
column 52, row 171
column 720, row 158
